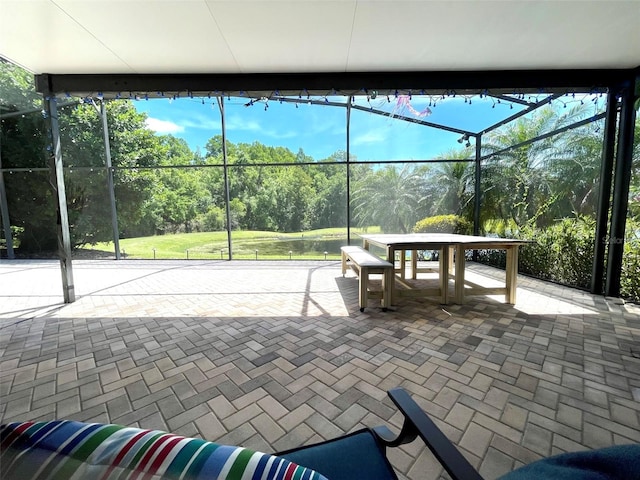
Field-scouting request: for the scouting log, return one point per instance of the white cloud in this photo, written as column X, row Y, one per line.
column 369, row 138
column 163, row 126
column 236, row 122
column 202, row 122
column 241, row 124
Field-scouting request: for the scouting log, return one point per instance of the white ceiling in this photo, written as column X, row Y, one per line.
column 251, row 36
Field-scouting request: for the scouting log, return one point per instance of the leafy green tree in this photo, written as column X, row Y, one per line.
column 24, row 143
column 17, row 91
column 294, row 193
column 179, row 196
column 131, row 145
column 328, row 207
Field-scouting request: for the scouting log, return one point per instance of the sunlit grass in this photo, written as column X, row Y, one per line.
column 251, row 244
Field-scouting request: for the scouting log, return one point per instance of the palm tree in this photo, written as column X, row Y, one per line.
column 388, row 197
column 575, row 173
column 451, row 185
column 521, row 185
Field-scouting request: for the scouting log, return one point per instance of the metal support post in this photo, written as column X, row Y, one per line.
column 227, row 200
column 621, row 183
column 110, row 187
column 477, row 187
column 6, row 223
column 348, row 171
column 604, row 196
column 477, row 191
column 4, row 211
column 57, row 182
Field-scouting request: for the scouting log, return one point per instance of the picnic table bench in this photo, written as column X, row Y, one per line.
column 365, row 263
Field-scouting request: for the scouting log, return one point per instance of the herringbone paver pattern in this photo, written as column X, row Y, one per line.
column 275, row 355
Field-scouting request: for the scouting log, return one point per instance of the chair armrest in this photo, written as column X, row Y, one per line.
column 417, row 423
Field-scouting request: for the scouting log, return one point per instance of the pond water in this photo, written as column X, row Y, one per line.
column 315, row 247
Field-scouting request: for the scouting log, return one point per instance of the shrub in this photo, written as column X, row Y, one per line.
column 563, row 253
column 570, row 246
column 630, row 280
column 443, row 224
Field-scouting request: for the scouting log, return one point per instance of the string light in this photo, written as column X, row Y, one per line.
column 518, row 97
column 370, row 96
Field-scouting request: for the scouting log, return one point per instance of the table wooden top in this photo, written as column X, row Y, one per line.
column 432, row 240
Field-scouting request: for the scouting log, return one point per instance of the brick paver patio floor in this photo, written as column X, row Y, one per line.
column 276, row 355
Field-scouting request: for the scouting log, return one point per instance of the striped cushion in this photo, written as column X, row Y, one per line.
column 68, row 449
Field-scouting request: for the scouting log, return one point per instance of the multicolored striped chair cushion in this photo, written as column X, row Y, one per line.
column 75, row 450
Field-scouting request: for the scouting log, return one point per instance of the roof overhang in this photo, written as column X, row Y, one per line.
column 201, row 47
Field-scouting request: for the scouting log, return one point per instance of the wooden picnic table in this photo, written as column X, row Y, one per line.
column 448, row 245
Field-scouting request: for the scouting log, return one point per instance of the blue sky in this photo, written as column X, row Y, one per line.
column 321, row 130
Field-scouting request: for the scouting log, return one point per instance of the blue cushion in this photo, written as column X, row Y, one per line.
column 352, row 457
column 612, row 463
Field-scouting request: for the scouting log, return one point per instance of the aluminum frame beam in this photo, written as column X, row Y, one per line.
column 4, row 213
column 620, row 204
column 110, row 183
column 604, row 195
column 225, row 163
column 344, row 83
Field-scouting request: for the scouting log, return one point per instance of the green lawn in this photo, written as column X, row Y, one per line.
column 310, row 245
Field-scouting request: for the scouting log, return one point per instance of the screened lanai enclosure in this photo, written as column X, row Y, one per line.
column 291, row 167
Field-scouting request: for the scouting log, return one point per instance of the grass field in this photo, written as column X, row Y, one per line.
column 310, row 245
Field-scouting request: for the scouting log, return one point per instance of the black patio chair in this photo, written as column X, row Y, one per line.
column 362, row 454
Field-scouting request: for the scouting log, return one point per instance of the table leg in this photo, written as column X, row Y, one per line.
column 414, row 264
column 459, row 284
column 388, row 279
column 363, row 291
column 391, row 258
column 444, row 275
column 511, row 274
column 344, row 263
